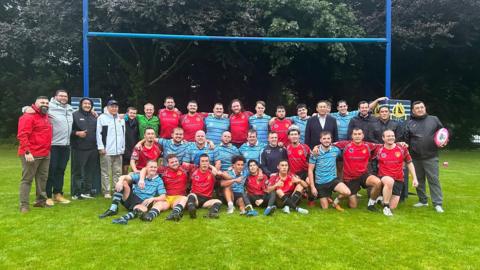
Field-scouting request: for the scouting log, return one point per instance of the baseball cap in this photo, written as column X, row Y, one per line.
column 112, row 102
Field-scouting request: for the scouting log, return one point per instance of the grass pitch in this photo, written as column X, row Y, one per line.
column 72, row 237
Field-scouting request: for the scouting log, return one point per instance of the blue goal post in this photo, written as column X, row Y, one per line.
column 387, row 40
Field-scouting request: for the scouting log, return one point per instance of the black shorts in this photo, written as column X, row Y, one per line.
column 355, row 184
column 202, row 200
column 326, row 190
column 303, row 175
column 397, row 188
column 237, row 195
column 131, row 201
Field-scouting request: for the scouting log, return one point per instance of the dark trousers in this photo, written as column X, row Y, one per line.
column 59, row 156
column 85, row 167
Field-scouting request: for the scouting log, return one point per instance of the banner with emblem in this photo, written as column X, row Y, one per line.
column 400, row 109
column 97, row 104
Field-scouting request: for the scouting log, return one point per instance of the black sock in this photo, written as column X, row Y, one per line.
column 386, row 205
column 191, row 201
column 153, row 213
column 295, row 198
column 286, row 201
column 272, row 198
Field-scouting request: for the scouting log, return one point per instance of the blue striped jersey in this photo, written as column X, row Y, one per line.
column 215, row 128
column 192, row 155
column 342, row 123
column 260, row 124
column 325, row 164
column 238, row 187
column 224, row 153
column 153, row 186
column 252, row 151
column 301, row 123
column 170, row 147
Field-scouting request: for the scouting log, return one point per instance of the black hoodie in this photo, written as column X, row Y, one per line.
column 419, row 133
column 84, row 120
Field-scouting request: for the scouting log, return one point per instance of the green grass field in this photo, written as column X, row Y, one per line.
column 72, row 236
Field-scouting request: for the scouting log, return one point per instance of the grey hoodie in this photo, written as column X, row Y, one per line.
column 61, row 118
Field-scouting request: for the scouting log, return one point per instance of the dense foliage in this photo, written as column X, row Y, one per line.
column 435, row 54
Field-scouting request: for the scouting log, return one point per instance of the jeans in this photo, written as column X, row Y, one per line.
column 59, row 156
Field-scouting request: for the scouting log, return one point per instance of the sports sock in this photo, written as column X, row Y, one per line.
column 272, row 198
column 287, row 201
column 117, row 197
column 230, row 204
column 371, row 201
column 132, row 214
column 153, row 213
column 191, row 201
column 386, row 205
column 178, row 208
column 295, row 198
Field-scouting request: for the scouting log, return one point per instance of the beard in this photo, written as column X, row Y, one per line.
column 44, row 109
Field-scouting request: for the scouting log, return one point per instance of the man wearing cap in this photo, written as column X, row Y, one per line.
column 84, row 150
column 110, row 145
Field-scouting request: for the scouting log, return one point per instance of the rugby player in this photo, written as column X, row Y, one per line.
column 280, row 125
column 260, row 122
column 224, row 152
column 169, row 118
column 272, row 154
column 148, row 151
column 300, row 120
column 192, row 121
column 252, row 149
column 216, row 124
column 239, row 123
column 197, row 148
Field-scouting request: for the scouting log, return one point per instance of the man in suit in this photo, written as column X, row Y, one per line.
column 319, row 123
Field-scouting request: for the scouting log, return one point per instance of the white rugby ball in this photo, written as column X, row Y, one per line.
column 441, row 137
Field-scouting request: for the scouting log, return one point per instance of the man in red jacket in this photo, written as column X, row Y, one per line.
column 35, row 139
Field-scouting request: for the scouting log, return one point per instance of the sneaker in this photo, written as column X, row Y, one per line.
column 372, row 208
column 302, row 210
column 420, row 204
column 311, row 203
column 286, row 209
column 338, row 207
column 212, row 215
column 86, row 196
column 173, row 216
column 77, row 197
column 41, row 204
column 146, row 217
column 108, row 213
column 120, row 221
column 49, row 202
column 60, row 199
column 252, row 213
column 243, row 213
column 107, row 196
column 439, row 209
column 387, row 212
column 269, row 210
column 192, row 210
column 230, row 209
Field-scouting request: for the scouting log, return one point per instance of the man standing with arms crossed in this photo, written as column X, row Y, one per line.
column 35, row 139
column 169, row 118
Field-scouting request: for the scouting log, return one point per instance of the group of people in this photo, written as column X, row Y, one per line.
column 242, row 159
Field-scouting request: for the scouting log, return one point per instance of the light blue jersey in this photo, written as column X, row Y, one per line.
column 325, row 164
column 193, row 153
column 215, row 128
column 250, row 152
column 300, row 123
column 260, row 124
column 153, row 187
column 170, row 147
column 238, row 187
column 224, row 153
column 342, row 123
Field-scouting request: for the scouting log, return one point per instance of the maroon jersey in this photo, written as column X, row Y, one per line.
column 202, row 183
column 169, row 119
column 281, row 128
column 355, row 158
column 298, row 157
column 142, row 156
column 191, row 124
column 175, row 181
column 288, row 186
column 390, row 161
column 239, row 126
column 256, row 186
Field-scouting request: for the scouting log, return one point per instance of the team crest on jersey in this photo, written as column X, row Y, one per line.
column 300, row 152
column 179, row 173
column 364, row 151
column 196, row 177
column 175, row 115
column 383, row 155
column 242, row 117
column 164, row 114
column 198, row 119
column 398, row 154
column 187, row 121
column 286, row 125
column 208, row 177
column 275, row 126
column 350, row 150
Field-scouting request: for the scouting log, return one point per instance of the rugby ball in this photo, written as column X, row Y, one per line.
column 441, row 137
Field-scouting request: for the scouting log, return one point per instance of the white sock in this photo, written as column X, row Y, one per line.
column 230, row 204
column 371, row 201
column 336, row 201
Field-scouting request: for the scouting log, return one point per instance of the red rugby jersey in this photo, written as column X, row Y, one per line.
column 203, row 183
column 288, row 186
column 298, row 157
column 169, row 119
column 390, row 161
column 175, row 180
column 239, row 126
column 256, row 186
column 146, row 154
column 355, row 158
column 281, row 128
column 191, row 124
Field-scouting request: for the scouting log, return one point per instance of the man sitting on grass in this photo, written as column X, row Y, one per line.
column 203, row 182
column 138, row 201
column 288, row 188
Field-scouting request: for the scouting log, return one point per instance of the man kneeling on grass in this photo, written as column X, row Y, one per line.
column 138, row 201
column 287, row 187
column 203, row 182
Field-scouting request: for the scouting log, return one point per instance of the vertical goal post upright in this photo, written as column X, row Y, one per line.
column 387, row 40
